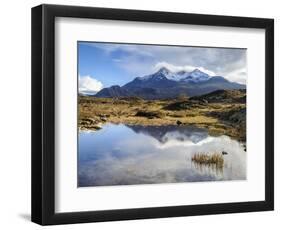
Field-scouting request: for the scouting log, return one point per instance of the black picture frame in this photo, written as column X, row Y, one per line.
column 43, row 114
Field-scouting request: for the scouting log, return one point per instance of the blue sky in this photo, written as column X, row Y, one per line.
column 105, row 64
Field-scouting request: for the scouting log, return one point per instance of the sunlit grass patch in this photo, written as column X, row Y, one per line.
column 218, row 118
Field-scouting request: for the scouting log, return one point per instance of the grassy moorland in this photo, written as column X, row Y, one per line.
column 221, row 112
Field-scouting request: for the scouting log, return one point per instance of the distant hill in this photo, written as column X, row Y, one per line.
column 223, row 96
column 113, row 91
column 165, row 84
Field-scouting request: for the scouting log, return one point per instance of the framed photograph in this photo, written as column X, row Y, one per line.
column 142, row 114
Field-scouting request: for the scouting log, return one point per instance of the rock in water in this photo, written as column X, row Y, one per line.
column 179, row 122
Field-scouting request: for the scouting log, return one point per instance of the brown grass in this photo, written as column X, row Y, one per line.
column 208, row 159
column 134, row 111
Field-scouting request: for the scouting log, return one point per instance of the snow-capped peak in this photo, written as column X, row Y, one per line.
column 199, row 73
column 164, row 73
column 195, row 76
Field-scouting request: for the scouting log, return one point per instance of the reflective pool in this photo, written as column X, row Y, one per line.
column 125, row 155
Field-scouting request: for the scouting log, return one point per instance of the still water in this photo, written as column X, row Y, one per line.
column 125, row 155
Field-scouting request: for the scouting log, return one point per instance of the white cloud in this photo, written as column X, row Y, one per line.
column 239, row 75
column 89, row 85
column 112, row 47
column 177, row 68
column 117, row 60
column 140, row 60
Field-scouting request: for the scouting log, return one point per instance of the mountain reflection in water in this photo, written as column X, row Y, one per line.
column 172, row 132
column 125, row 155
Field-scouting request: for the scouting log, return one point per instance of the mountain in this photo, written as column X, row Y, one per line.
column 165, row 84
column 166, row 75
column 113, row 91
column 194, row 76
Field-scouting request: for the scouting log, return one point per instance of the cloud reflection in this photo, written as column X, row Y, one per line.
column 130, row 157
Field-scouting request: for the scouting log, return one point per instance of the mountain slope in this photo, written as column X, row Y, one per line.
column 113, row 91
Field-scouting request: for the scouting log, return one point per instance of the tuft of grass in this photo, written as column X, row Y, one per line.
column 208, row 159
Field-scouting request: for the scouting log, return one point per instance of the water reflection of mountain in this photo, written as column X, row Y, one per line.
column 171, row 132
